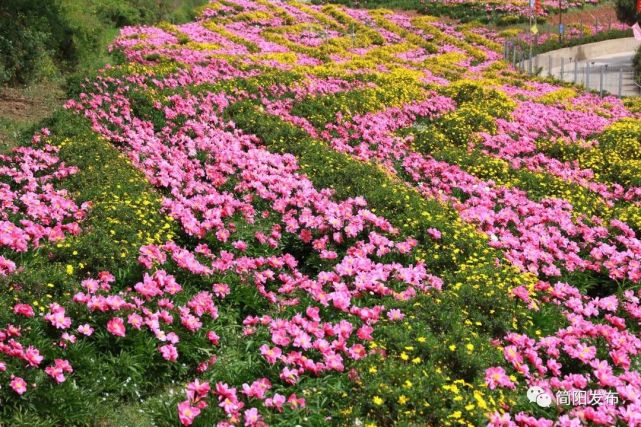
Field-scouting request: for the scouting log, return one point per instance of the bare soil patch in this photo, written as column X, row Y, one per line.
column 23, row 107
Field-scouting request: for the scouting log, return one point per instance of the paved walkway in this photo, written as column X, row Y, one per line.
column 599, row 66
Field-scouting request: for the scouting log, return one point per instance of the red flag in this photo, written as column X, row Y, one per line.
column 638, row 6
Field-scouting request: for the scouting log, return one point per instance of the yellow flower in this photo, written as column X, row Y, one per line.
column 378, row 401
column 69, row 269
column 402, row 399
column 480, row 400
column 456, row 415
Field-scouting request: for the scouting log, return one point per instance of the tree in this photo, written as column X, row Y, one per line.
column 627, row 11
column 30, row 31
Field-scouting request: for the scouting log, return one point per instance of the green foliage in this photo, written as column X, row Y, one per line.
column 71, row 35
column 477, row 109
column 136, row 12
column 25, row 39
column 626, row 11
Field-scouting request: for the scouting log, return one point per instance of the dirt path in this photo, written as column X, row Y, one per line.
column 21, row 108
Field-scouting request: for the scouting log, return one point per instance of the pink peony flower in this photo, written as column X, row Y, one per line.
column 32, row 356
column 24, row 310
column 57, row 318
column 496, row 377
column 270, row 354
column 116, row 326
column 252, row 417
column 187, row 413
column 18, row 385
column 197, row 390
column 434, row 233
column 85, row 329
column 58, row 370
column 395, row 314
column 169, row 352
column 213, row 337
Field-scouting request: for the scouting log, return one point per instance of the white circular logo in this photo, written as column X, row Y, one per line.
column 544, row 400
column 539, row 396
column 534, row 392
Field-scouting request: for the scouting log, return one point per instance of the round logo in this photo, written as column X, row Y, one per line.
column 539, row 396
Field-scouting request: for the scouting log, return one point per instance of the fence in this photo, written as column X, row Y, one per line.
column 610, row 76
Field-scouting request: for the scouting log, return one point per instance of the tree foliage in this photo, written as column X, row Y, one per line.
column 38, row 38
column 626, row 11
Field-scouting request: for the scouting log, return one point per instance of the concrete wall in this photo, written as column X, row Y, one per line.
column 594, row 50
column 603, row 66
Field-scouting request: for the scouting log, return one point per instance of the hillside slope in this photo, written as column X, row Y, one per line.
column 291, row 214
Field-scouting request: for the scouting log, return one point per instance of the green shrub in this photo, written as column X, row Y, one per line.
column 71, row 35
column 27, row 37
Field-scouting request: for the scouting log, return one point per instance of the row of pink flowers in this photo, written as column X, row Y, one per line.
column 541, row 237
column 193, row 159
column 516, row 140
column 32, row 209
column 516, row 7
column 594, row 354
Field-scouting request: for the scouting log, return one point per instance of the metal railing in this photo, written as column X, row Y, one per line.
column 592, row 74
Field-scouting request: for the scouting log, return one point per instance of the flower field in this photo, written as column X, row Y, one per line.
column 499, row 12
column 289, row 214
column 519, row 6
